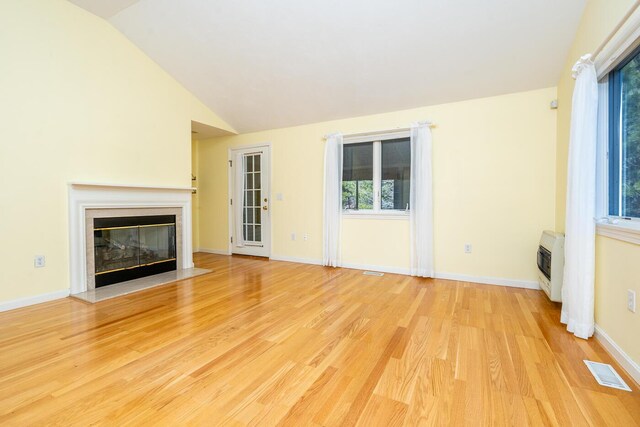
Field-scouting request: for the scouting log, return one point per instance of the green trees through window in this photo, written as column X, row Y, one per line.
column 624, row 148
column 357, row 176
column 630, row 140
column 357, row 194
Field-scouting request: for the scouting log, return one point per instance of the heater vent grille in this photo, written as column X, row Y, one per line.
column 606, row 375
column 373, row 273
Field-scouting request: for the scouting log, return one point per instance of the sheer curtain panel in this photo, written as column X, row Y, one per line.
column 579, row 269
column 332, row 201
column 421, row 201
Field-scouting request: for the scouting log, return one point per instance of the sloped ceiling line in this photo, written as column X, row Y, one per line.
column 269, row 64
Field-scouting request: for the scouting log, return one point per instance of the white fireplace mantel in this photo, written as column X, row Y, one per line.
column 128, row 186
column 83, row 196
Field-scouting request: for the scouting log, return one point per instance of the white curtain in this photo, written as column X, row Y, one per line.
column 238, row 201
column 332, row 200
column 578, row 283
column 421, row 202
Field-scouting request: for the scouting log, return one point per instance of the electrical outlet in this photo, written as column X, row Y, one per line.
column 293, row 236
column 306, row 237
column 467, row 248
column 631, row 300
column 39, row 261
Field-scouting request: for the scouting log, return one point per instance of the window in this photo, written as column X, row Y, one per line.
column 375, row 175
column 396, row 168
column 624, row 138
column 357, row 176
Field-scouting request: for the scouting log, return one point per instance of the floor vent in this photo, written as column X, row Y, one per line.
column 606, row 375
column 373, row 273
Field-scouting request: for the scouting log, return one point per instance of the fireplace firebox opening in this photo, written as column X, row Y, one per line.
column 127, row 248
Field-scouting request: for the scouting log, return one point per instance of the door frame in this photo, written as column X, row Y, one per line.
column 230, row 178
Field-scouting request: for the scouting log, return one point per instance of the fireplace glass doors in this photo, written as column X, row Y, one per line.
column 127, row 248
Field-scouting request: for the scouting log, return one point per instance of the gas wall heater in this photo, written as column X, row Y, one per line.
column 551, row 264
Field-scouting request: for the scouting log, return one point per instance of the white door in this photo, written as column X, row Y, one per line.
column 251, row 224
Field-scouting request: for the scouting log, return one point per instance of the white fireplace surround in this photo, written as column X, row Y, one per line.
column 83, row 196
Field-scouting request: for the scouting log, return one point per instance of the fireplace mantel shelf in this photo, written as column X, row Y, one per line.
column 129, row 186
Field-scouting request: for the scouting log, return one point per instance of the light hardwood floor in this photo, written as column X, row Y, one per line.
column 275, row 343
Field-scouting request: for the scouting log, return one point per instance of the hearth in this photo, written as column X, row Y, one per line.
column 130, row 247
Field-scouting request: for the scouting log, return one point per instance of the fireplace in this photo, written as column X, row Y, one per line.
column 130, row 247
column 89, row 204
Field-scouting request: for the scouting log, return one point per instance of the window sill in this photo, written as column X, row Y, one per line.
column 394, row 215
column 624, row 230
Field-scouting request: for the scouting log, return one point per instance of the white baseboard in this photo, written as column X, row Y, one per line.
column 212, row 251
column 380, row 268
column 512, row 283
column 315, row 261
column 296, row 259
column 37, row 299
column 618, row 354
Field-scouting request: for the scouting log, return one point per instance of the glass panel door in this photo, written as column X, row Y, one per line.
column 252, row 215
column 249, row 206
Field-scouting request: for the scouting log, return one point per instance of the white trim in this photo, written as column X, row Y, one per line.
column 83, row 196
column 230, row 191
column 602, row 150
column 621, row 44
column 512, row 283
column 377, row 176
column 376, row 136
column 499, row 281
column 400, row 215
column 377, row 210
column 312, row 261
column 626, row 231
column 229, row 199
column 384, row 133
column 130, row 186
column 213, row 251
column 380, row 268
column 618, row 354
column 37, row 299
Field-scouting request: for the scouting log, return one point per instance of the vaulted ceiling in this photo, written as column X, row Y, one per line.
column 267, row 64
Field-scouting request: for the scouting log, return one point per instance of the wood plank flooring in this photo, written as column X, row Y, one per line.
column 274, row 343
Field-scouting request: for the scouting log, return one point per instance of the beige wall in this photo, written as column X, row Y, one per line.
column 615, row 270
column 79, row 103
column 618, row 269
column 494, row 181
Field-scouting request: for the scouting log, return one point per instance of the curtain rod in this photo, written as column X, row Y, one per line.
column 613, row 32
column 382, row 131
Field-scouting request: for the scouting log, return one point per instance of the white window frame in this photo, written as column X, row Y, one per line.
column 377, row 212
column 616, row 227
column 602, row 150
